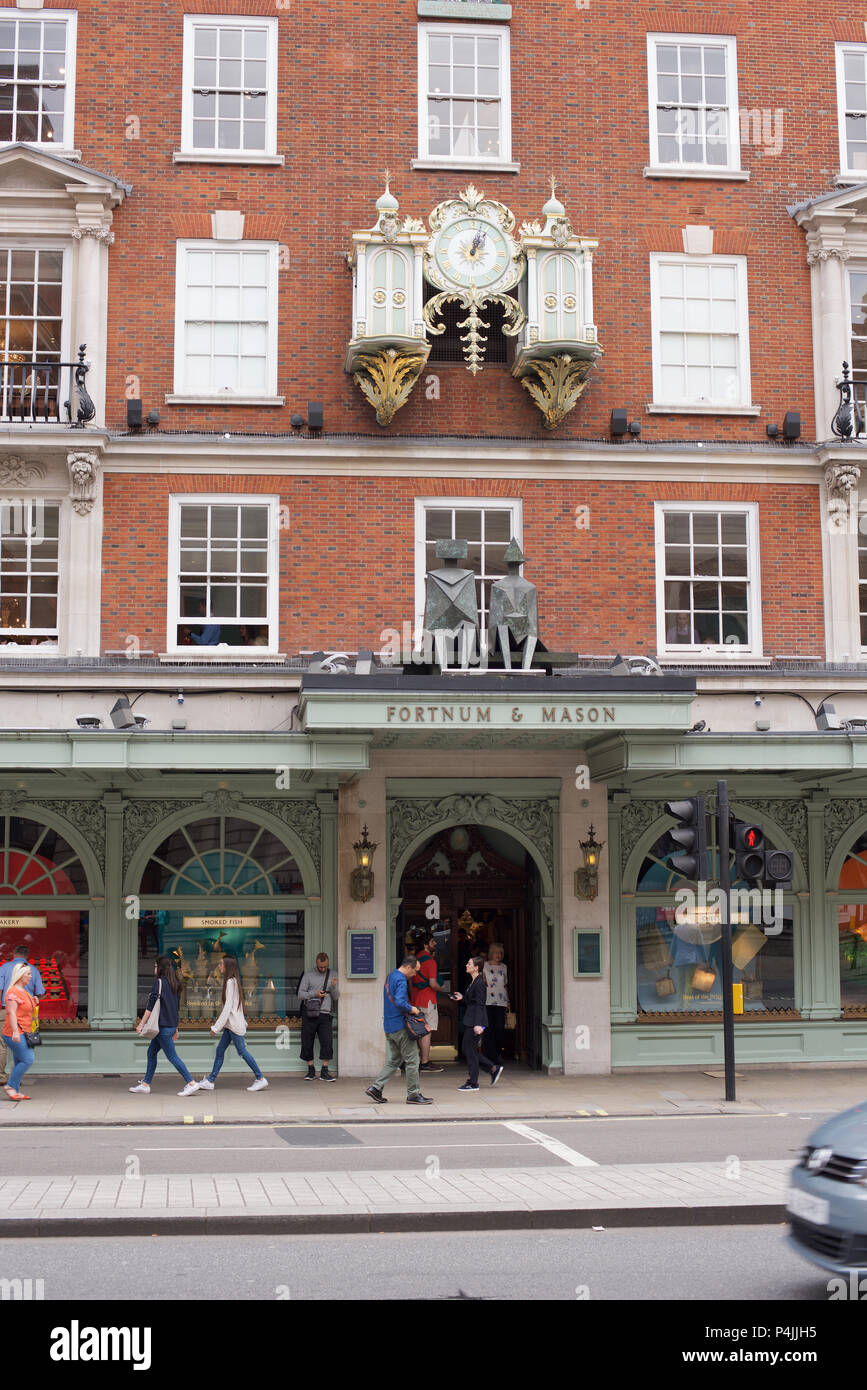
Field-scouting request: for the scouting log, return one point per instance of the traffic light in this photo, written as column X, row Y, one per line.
column 769, row 868
column 687, row 843
column 779, row 868
column 749, row 851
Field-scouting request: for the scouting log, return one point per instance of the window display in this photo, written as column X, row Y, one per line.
column 852, row 930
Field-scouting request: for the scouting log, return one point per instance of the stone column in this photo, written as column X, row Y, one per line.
column 830, row 324
column 363, row 802
column 818, row 977
column 113, row 943
column 80, row 595
column 91, row 309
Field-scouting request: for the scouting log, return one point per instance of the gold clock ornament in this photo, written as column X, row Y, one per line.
column 473, row 260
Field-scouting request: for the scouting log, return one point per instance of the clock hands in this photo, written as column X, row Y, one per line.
column 478, row 243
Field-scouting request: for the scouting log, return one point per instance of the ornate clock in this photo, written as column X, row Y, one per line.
column 473, row 259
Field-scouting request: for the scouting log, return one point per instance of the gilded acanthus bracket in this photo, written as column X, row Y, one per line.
column 558, row 384
column 475, row 342
column 386, row 378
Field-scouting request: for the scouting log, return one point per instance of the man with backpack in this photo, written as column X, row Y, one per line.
column 317, row 991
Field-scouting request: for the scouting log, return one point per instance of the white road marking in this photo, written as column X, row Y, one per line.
column 552, row 1145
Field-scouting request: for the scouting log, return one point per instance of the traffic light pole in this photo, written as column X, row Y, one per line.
column 725, row 883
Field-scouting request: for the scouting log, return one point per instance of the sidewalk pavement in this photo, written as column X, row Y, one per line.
column 520, row 1094
column 597, row 1197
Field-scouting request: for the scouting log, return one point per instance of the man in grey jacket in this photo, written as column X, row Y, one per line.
column 317, row 991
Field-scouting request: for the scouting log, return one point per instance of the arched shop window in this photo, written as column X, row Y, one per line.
column 852, row 930
column 37, row 867
column 223, row 885
column 679, row 961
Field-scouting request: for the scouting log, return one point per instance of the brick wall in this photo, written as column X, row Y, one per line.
column 347, row 108
column 347, row 558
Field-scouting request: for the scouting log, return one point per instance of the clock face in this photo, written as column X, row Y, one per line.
column 473, row 251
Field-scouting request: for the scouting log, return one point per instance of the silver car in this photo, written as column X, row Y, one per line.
column 827, row 1204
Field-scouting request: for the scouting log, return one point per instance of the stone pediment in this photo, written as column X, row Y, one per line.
column 25, row 171
column 829, row 219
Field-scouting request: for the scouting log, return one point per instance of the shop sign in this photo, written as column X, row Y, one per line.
column 222, row 923
column 478, row 714
column 22, row 923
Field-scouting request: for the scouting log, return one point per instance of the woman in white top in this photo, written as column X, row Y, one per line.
column 234, row 1026
column 497, row 1002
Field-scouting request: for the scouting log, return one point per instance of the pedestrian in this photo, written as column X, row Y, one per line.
column 424, row 988
column 318, row 991
column 233, row 1026
column 34, row 987
column 402, row 1046
column 496, row 976
column 20, row 1009
column 167, row 990
column 475, row 1022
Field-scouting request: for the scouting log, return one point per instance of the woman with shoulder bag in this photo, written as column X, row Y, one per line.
column 234, row 1026
column 18, row 1028
column 475, row 1022
column 164, row 1001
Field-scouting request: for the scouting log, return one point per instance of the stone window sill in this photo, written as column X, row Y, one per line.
column 478, row 166
column 715, row 659
column 654, row 408
column 223, row 656
column 225, row 400
column 46, row 148
column 218, row 157
column 850, row 180
column 656, row 171
column 464, row 9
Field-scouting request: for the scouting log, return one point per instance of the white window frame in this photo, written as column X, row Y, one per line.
column 683, row 653
column 15, row 243
column 743, row 403
column 678, row 167
column 183, row 392
column 223, row 651
column 860, row 586
column 67, row 149
column 425, row 504
column 453, row 161
column 840, row 51
column 52, row 646
column 188, row 151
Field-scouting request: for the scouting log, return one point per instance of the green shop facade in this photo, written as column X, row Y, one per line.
column 476, row 792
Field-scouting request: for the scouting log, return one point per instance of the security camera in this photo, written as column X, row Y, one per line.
column 758, row 700
column 180, row 697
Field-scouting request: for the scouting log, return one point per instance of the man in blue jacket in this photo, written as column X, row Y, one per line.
column 402, row 1046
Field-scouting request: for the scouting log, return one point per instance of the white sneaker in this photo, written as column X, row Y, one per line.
column 205, row 1084
column 189, row 1088
column 258, row 1085
column 143, row 1087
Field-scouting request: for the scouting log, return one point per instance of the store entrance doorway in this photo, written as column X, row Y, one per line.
column 475, row 886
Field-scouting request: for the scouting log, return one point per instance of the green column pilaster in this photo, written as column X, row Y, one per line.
column 113, row 943
column 325, row 932
column 819, row 972
column 621, row 920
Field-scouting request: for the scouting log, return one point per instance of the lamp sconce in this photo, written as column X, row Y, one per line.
column 361, row 878
column 587, row 879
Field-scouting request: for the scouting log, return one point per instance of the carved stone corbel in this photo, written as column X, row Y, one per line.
column 386, row 378
column 83, row 469
column 841, row 480
column 559, row 384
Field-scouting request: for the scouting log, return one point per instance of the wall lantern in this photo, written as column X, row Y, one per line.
column 587, row 879
column 361, row 879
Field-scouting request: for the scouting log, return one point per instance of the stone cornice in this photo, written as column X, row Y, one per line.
column 471, row 459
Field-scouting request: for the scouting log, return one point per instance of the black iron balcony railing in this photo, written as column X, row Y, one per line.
column 46, row 392
column 850, row 421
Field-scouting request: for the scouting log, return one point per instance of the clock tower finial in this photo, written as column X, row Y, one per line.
column 386, row 202
column 553, row 185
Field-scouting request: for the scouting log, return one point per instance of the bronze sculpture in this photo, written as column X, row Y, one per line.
column 514, row 615
column 451, row 608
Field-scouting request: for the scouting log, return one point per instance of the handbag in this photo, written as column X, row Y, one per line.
column 33, row 1039
column 313, row 1007
column 511, row 1019
column 416, row 1024
column 665, row 986
column 152, row 1027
